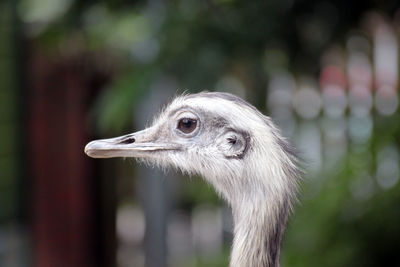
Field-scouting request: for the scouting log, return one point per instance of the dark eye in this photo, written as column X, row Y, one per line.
column 187, row 125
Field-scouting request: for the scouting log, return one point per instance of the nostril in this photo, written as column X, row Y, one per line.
column 130, row 140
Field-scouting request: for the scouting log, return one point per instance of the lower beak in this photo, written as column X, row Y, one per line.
column 138, row 144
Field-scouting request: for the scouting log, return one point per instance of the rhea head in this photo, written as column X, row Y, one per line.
column 232, row 146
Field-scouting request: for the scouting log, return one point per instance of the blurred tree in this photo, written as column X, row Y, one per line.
column 196, row 42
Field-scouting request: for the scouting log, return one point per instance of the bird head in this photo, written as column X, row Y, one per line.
column 216, row 135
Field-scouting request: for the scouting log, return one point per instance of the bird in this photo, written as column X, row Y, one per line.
column 236, row 149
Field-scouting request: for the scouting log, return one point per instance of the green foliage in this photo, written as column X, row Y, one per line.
column 334, row 226
column 114, row 107
column 196, row 191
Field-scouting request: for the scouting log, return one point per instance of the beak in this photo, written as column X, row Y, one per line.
column 140, row 144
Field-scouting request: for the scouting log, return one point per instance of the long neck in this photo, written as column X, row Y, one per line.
column 258, row 233
column 261, row 194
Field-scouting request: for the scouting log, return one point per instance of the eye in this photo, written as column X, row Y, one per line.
column 187, row 125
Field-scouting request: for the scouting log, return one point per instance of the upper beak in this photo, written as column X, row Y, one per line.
column 139, row 144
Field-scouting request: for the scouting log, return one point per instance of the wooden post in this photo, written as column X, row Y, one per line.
column 65, row 221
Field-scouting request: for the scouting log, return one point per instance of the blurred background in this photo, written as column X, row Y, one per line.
column 72, row 71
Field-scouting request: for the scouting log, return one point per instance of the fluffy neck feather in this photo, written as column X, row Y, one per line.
column 261, row 205
column 258, row 230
